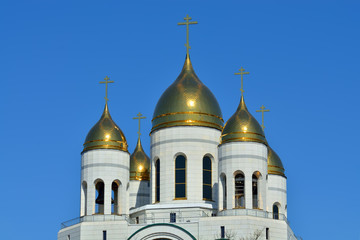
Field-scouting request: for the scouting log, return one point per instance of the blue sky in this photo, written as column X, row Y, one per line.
column 303, row 59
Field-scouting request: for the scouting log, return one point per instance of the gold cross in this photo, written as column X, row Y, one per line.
column 242, row 73
column 106, row 88
column 187, row 23
column 262, row 111
column 139, row 116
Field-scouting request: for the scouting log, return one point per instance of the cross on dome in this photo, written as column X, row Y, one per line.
column 242, row 73
column 262, row 112
column 139, row 117
column 187, row 23
column 106, row 82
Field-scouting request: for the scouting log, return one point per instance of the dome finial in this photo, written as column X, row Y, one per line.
column 262, row 113
column 139, row 117
column 106, row 88
column 187, row 23
column 242, row 73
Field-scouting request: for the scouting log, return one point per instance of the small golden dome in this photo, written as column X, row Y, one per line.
column 105, row 134
column 139, row 164
column 187, row 102
column 275, row 165
column 242, row 127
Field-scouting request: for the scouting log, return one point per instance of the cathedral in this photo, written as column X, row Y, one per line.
column 206, row 178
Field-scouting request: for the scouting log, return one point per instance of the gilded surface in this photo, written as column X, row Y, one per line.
column 275, row 165
column 139, row 164
column 187, row 102
column 105, row 134
column 242, row 127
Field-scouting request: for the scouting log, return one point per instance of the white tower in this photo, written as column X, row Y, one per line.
column 187, row 124
column 139, row 194
column 104, row 169
column 243, row 162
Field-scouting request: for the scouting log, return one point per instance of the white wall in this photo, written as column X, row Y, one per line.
column 194, row 142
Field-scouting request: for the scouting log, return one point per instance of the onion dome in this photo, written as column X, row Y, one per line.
column 187, row 102
column 242, row 127
column 105, row 134
column 139, row 164
column 275, row 165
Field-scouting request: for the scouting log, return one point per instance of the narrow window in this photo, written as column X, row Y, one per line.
column 180, row 177
column 172, row 217
column 239, row 191
column 275, row 211
column 224, row 187
column 267, row 234
column 207, row 187
column 99, row 202
column 222, row 229
column 255, row 191
column 137, row 220
column 68, row 237
column 157, row 181
column 104, row 235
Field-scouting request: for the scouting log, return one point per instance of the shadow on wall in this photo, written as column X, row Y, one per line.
column 143, row 196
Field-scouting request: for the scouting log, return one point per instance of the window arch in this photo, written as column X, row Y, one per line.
column 180, row 177
column 207, row 175
column 157, row 180
column 255, row 195
column 275, row 211
column 239, row 190
column 99, row 202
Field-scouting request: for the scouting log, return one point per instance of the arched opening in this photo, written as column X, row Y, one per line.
column 275, row 211
column 84, row 198
column 99, row 202
column 255, row 186
column 224, row 190
column 239, row 190
column 207, row 174
column 180, row 177
column 157, row 181
column 115, row 197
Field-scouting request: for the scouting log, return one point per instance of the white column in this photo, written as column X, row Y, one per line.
column 107, row 198
column 248, row 190
column 230, row 182
column 90, row 199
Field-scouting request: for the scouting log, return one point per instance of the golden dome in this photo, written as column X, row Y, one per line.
column 105, row 134
column 139, row 164
column 187, row 102
column 242, row 127
column 275, row 165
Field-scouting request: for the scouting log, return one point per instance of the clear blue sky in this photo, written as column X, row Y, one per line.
column 303, row 59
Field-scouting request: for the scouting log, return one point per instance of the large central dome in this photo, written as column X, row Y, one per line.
column 187, row 102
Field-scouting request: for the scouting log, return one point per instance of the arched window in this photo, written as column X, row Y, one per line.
column 157, row 181
column 207, row 187
column 275, row 212
column 115, row 206
column 84, row 198
column 180, row 177
column 224, row 189
column 99, row 202
column 255, row 181
column 239, row 191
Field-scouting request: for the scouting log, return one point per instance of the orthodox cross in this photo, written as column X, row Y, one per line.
column 187, row 23
column 139, row 117
column 262, row 111
column 106, row 88
column 242, row 73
